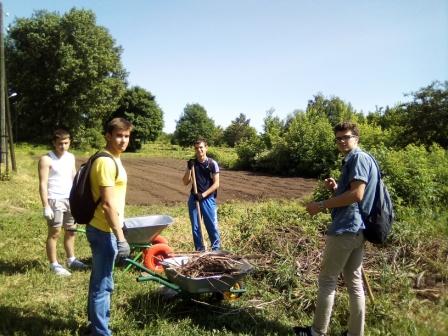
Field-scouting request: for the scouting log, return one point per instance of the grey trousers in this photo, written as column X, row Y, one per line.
column 343, row 254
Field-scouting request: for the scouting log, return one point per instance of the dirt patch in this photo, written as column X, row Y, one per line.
column 159, row 180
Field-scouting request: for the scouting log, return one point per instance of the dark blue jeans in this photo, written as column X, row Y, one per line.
column 104, row 251
column 209, row 213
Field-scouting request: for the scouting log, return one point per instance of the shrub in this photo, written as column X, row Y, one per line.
column 248, row 152
column 416, row 176
column 310, row 144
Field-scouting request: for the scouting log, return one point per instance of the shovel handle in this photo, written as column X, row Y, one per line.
column 198, row 207
column 366, row 283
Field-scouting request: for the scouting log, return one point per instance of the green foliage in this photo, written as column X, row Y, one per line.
column 426, row 116
column 273, row 129
column 422, row 121
column 89, row 138
column 416, row 175
column 238, row 130
column 194, row 123
column 226, row 157
column 66, row 71
column 303, row 144
column 140, row 108
column 249, row 151
column 372, row 135
column 335, row 109
column 310, row 144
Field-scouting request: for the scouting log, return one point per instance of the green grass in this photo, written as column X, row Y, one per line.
column 278, row 237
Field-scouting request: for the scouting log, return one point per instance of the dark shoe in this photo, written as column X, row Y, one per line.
column 77, row 265
column 302, row 331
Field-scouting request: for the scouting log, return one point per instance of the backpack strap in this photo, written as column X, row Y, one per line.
column 377, row 185
column 380, row 175
column 104, row 154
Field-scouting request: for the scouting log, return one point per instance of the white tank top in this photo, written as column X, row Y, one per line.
column 60, row 177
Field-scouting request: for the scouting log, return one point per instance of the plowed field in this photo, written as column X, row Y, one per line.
column 159, row 180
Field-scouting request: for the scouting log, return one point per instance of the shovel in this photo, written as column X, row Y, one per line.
column 198, row 207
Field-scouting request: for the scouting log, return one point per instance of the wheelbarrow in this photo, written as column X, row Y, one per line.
column 223, row 286
column 143, row 236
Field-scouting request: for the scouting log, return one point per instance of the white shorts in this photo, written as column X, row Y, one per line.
column 62, row 214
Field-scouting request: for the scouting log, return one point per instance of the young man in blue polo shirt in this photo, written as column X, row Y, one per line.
column 207, row 181
column 353, row 193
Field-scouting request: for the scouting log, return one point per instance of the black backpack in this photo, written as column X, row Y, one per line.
column 379, row 221
column 82, row 204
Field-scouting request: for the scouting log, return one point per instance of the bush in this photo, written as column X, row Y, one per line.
column 415, row 176
column 89, row 138
column 248, row 152
column 310, row 144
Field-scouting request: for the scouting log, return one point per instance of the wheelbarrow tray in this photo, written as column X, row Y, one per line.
column 141, row 230
column 211, row 284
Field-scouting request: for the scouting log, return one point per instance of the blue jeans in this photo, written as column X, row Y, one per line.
column 104, row 251
column 209, row 213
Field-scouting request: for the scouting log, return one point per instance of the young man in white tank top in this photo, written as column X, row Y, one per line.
column 56, row 172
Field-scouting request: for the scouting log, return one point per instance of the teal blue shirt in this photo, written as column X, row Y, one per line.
column 357, row 166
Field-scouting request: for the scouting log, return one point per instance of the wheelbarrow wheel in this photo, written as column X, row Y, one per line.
column 231, row 296
column 152, row 256
column 159, row 240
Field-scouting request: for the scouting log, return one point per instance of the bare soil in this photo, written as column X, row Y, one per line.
column 159, row 180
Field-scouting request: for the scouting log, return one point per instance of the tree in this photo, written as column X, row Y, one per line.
column 335, row 109
column 194, row 123
column 140, row 108
column 426, row 117
column 273, row 128
column 66, row 71
column 239, row 129
column 310, row 145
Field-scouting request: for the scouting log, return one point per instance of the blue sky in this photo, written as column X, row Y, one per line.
column 248, row 56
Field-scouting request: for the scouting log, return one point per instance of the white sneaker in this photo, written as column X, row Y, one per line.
column 61, row 271
column 77, row 264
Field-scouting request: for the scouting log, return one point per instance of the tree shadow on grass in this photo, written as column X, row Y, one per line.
column 21, row 321
column 9, row 267
column 204, row 312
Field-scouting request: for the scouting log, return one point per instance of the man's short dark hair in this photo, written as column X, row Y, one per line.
column 118, row 124
column 347, row 126
column 60, row 134
column 198, row 141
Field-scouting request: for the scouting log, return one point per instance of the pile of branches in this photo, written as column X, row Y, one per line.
column 209, row 264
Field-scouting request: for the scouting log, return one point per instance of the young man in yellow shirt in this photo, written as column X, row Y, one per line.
column 105, row 230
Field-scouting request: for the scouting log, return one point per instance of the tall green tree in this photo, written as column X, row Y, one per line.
column 426, row 116
column 140, row 108
column 273, row 129
column 66, row 71
column 310, row 145
column 192, row 124
column 239, row 129
column 335, row 109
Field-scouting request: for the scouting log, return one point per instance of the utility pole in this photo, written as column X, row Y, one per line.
column 5, row 114
column 3, row 142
